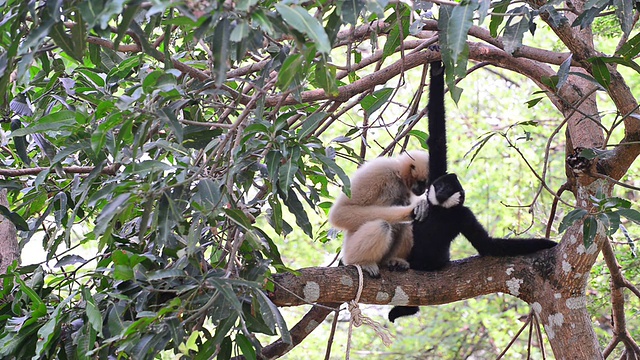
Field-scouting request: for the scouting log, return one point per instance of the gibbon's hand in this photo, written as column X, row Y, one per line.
column 421, row 211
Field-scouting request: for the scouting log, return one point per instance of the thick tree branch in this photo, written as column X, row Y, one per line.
column 462, row 279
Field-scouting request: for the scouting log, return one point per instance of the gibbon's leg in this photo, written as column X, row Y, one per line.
column 368, row 245
column 396, row 260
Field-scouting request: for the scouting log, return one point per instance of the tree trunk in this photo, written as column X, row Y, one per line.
column 9, row 250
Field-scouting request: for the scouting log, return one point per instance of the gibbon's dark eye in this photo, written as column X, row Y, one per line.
column 419, row 187
column 413, row 167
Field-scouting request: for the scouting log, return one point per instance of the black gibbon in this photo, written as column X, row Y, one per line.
column 377, row 217
column 447, row 216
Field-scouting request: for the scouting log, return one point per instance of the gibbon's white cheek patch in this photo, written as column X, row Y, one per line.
column 452, row 201
column 432, row 196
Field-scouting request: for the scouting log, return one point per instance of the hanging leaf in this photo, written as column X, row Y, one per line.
column 350, row 10
column 497, row 16
column 513, row 33
column 399, row 30
column 624, row 12
column 563, row 71
column 298, row 18
column 589, row 14
column 600, row 71
column 589, row 230
column 459, row 23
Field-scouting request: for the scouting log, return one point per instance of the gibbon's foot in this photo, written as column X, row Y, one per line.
column 434, row 47
column 421, row 211
column 398, row 264
column 372, row 270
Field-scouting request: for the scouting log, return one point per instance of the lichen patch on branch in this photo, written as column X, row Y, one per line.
column 311, row 291
column 400, row 297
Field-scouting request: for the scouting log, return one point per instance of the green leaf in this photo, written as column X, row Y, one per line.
column 589, row 230
column 350, row 10
column 563, row 71
column 421, row 136
column 589, row 14
column 459, row 24
column 225, row 349
column 240, row 32
column 272, row 316
column 298, row 18
column 227, row 292
column 325, row 77
column 109, row 212
column 246, row 348
column 631, row 48
column 373, row 102
column 49, row 331
column 310, row 124
column 571, row 218
column 53, row 122
column 291, row 69
column 221, row 36
column 295, row 207
column 600, row 71
column 496, row 20
column 15, row 218
column 624, row 12
column 272, row 160
column 85, row 342
column 60, row 38
column 399, row 31
column 127, row 16
column 288, row 170
column 91, row 310
column 611, row 220
column 630, row 214
column 513, row 33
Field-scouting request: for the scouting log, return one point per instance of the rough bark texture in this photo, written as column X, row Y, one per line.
column 462, row 279
column 9, row 250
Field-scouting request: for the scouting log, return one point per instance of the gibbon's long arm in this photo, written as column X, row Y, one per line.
column 352, row 217
column 437, row 140
column 489, row 246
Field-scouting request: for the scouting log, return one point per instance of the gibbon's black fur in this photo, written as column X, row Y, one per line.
column 447, row 216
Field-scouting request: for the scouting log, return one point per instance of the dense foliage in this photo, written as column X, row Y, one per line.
column 147, row 145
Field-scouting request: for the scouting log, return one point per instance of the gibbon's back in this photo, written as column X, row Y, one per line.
column 378, row 182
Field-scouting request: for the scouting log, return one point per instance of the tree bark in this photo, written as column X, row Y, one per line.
column 9, row 250
column 461, row 279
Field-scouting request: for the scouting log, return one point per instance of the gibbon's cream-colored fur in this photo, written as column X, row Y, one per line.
column 377, row 217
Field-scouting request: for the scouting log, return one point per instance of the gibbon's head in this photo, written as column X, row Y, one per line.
column 446, row 191
column 415, row 170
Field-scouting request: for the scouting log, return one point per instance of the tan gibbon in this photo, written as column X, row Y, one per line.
column 377, row 217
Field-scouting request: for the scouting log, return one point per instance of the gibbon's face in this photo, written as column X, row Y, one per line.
column 446, row 191
column 419, row 171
